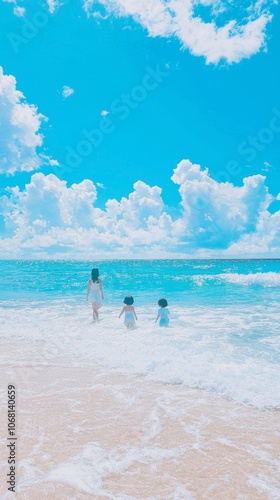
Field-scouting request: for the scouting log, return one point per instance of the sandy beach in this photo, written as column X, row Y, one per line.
column 84, row 433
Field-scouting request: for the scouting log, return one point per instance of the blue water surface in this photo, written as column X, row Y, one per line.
column 189, row 282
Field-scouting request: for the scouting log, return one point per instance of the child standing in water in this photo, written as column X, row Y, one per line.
column 129, row 312
column 163, row 313
column 95, row 293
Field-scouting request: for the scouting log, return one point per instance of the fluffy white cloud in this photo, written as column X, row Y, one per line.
column 49, row 219
column 232, row 40
column 233, row 32
column 19, row 11
column 216, row 214
column 19, row 126
column 67, row 91
column 48, row 215
column 53, row 5
column 265, row 241
column 48, row 202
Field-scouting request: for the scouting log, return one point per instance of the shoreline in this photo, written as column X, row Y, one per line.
column 88, row 433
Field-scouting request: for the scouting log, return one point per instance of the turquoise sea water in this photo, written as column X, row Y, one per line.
column 224, row 330
column 184, row 282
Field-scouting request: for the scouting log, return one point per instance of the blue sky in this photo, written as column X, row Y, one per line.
column 115, row 96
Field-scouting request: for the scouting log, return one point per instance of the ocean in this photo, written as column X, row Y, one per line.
column 218, row 359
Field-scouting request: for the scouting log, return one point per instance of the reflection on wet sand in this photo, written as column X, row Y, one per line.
column 84, row 433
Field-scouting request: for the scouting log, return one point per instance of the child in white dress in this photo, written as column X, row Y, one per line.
column 129, row 312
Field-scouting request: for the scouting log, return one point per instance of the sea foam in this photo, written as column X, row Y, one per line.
column 232, row 351
column 269, row 279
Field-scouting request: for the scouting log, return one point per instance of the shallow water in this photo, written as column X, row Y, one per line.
column 228, row 350
column 103, row 411
column 224, row 332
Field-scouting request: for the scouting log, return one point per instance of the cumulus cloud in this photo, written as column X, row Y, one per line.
column 20, row 123
column 67, row 91
column 216, row 214
column 232, row 39
column 53, row 163
column 48, row 214
column 53, row 5
column 48, row 200
column 48, row 218
column 264, row 242
column 19, row 11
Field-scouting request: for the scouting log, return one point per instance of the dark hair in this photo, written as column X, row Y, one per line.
column 94, row 274
column 162, row 303
column 128, row 300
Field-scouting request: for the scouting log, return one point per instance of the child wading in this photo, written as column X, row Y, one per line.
column 95, row 293
column 129, row 312
column 163, row 313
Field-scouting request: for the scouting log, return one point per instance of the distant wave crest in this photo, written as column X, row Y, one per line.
column 269, row 279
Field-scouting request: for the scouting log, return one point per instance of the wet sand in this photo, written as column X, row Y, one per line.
column 84, row 433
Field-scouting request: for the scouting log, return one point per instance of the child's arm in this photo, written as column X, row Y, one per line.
column 121, row 312
column 88, row 288
column 157, row 318
column 101, row 289
column 134, row 313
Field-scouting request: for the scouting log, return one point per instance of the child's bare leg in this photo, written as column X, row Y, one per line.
column 93, row 312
